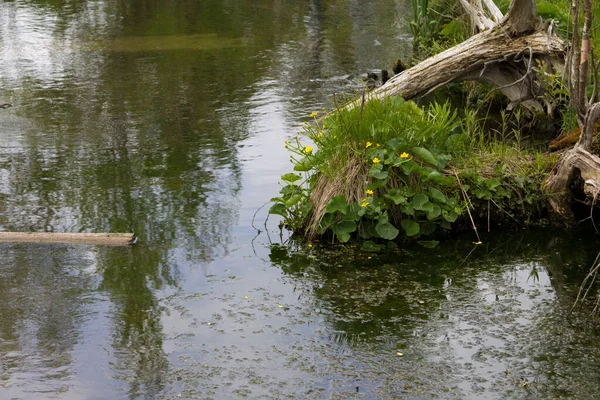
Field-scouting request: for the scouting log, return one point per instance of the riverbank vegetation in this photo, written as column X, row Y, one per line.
column 383, row 168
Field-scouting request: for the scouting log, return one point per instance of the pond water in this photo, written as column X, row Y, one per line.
column 168, row 118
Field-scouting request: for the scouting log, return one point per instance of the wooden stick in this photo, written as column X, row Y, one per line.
column 113, row 239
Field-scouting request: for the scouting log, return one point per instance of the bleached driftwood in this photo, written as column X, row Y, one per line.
column 111, row 239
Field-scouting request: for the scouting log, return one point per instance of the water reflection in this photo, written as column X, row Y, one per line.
column 491, row 323
column 168, row 118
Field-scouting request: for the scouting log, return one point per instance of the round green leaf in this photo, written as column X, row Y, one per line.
column 410, row 226
column 387, row 231
column 419, row 200
column 337, row 203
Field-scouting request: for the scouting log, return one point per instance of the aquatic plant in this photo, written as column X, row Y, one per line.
column 392, row 169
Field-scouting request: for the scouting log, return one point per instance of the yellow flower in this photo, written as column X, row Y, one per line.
column 369, row 144
column 314, row 114
column 364, row 203
column 404, row 155
column 378, row 145
column 376, row 160
column 320, row 134
column 369, row 191
column 308, row 149
column 477, row 242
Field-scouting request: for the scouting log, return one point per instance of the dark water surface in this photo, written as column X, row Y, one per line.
column 168, row 118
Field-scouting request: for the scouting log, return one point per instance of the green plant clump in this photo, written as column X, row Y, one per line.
column 392, row 170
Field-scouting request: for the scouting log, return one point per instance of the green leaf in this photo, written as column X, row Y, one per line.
column 378, row 173
column 483, row 194
column 293, row 200
column 290, row 178
column 343, row 236
column 370, row 246
column 337, row 203
column 352, row 212
column 492, row 183
column 278, row 209
column 383, row 218
column 410, row 226
column 343, row 229
column 394, row 143
column 430, row 244
column 424, row 155
column 427, row 207
column 386, row 230
column 500, row 169
column 408, row 209
column 376, row 185
column 427, row 228
column 409, row 166
column 306, row 164
column 445, row 180
column 434, row 213
column 438, row 195
column 419, row 200
column 397, row 196
column 434, row 176
column 449, row 216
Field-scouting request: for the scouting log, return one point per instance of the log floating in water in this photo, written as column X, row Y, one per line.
column 112, row 239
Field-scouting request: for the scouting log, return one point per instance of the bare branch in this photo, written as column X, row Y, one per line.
column 585, row 56
column 478, row 18
column 493, row 9
column 587, row 133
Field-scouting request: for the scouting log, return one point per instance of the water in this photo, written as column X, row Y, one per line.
column 168, row 118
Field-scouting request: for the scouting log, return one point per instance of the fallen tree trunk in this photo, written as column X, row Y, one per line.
column 111, row 239
column 503, row 56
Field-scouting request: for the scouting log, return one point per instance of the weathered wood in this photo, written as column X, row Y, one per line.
column 482, row 57
column 111, row 239
column 521, row 17
column 576, row 164
column 504, row 55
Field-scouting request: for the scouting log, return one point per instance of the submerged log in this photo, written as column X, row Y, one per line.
column 110, row 239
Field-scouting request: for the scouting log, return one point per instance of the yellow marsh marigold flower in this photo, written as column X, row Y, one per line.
column 378, row 145
column 364, row 203
column 314, row 114
column 376, row 160
column 369, row 191
column 369, row 144
column 308, row 149
column 404, row 155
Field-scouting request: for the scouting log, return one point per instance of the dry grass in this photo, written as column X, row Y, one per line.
column 351, row 181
